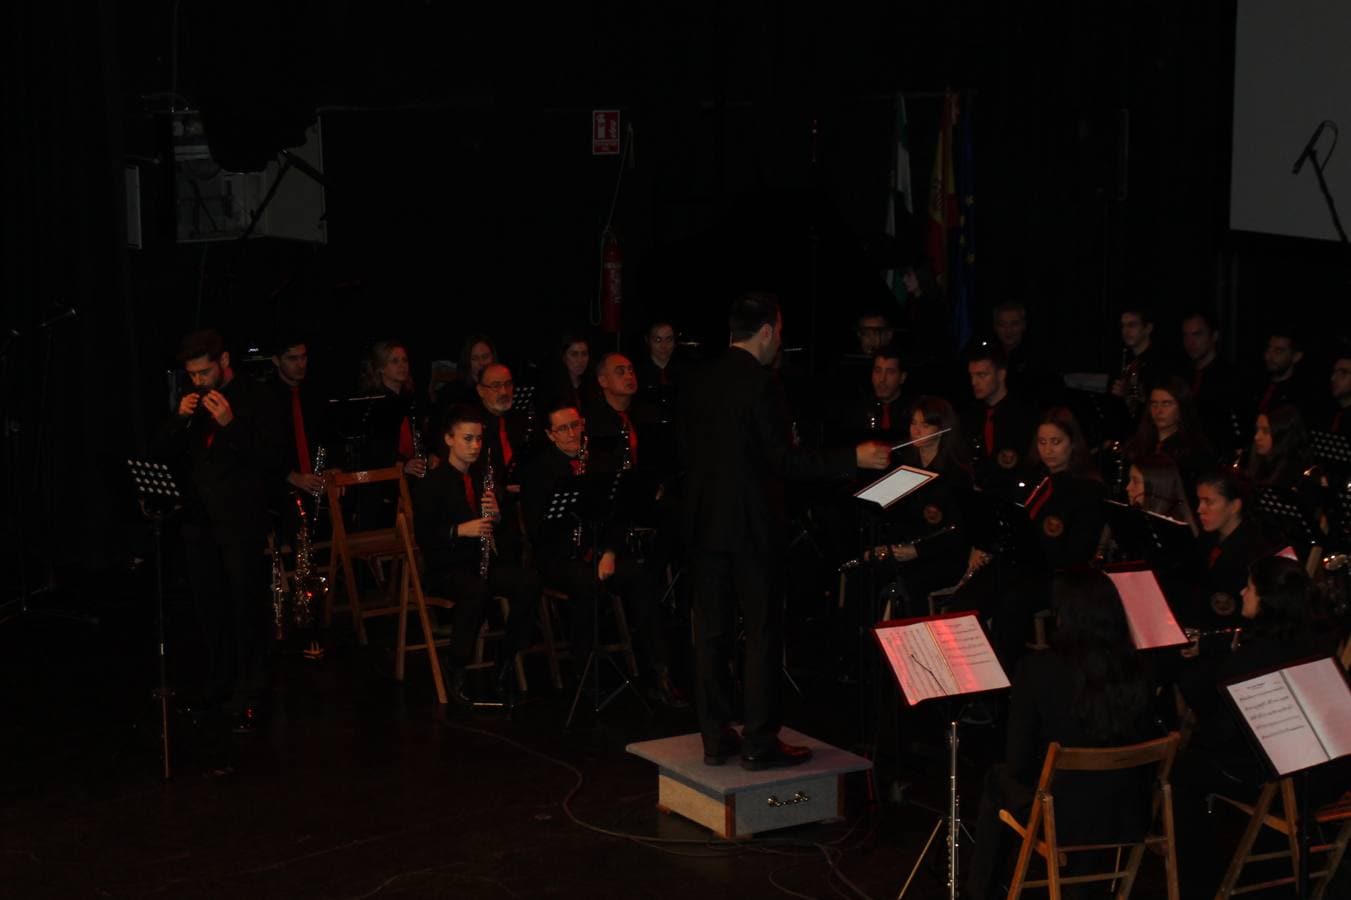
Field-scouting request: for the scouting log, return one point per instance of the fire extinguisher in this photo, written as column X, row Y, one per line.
column 611, row 282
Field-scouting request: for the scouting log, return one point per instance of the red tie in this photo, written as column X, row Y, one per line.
column 302, row 443
column 1266, row 398
column 1214, row 557
column 503, row 440
column 405, row 439
column 989, row 431
column 576, row 465
column 469, row 491
column 1035, row 509
column 633, row 437
column 662, row 377
column 886, row 416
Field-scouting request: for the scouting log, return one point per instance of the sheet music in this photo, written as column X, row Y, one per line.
column 1270, row 711
column 1151, row 620
column 1326, row 701
column 894, row 485
column 941, row 658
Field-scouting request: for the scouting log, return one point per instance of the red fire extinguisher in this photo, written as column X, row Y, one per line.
column 611, row 282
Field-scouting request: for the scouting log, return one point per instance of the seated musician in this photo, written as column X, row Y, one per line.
column 573, row 555
column 997, row 423
column 1169, row 426
column 569, row 380
column 394, row 435
column 1281, row 459
column 1230, row 543
column 453, row 515
column 477, row 352
column 659, row 373
column 504, row 427
column 925, row 531
column 1339, row 422
column 615, row 418
column 1156, row 486
column 881, row 413
column 1089, row 689
column 1213, row 381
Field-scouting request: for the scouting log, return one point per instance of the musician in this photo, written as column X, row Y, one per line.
column 1281, row 459
column 1284, row 381
column 615, row 419
column 571, row 380
column 572, row 555
column 1340, row 420
column 883, row 413
column 737, row 453
column 874, row 331
column 504, row 428
column 1229, row 545
column 1089, row 689
column 1170, row 427
column 477, row 352
column 658, row 371
column 304, row 421
column 1026, row 378
column 394, row 435
column 223, row 440
column 1156, row 486
column 1213, row 382
column 453, row 515
column 1140, row 362
column 998, row 424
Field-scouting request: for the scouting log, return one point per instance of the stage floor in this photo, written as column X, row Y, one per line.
column 359, row 787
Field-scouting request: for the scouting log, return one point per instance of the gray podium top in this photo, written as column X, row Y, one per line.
column 683, row 756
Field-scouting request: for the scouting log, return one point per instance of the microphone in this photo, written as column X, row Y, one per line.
column 1308, row 148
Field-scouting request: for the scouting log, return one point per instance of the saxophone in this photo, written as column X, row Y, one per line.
column 320, row 460
column 310, row 587
column 278, row 592
column 487, row 546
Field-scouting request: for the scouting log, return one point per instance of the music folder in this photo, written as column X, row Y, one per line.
column 1151, row 619
column 1298, row 716
column 895, row 486
column 940, row 656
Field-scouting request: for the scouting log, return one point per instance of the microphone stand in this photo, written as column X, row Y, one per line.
column 1311, row 155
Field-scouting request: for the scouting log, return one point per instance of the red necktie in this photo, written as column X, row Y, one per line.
column 576, row 465
column 1035, row 509
column 503, row 440
column 1214, row 557
column 1266, row 398
column 405, row 439
column 469, row 491
column 633, row 437
column 302, row 443
column 886, row 416
column 662, row 377
column 989, row 431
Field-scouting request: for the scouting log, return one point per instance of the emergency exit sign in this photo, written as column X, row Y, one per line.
column 605, row 132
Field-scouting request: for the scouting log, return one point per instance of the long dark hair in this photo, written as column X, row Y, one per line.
column 1081, row 465
column 952, row 449
column 1111, row 698
column 1146, row 438
column 1285, row 597
column 466, row 366
column 1289, row 454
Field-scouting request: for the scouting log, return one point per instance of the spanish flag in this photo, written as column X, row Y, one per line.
column 943, row 212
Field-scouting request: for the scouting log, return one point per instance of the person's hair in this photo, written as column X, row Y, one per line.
column 494, row 364
column 557, row 407
column 980, row 351
column 285, row 340
column 459, row 414
column 1290, row 453
column 1165, row 493
column 952, row 449
column 875, row 314
column 570, row 337
column 889, row 351
column 1081, row 464
column 1289, row 333
column 1004, row 306
column 205, row 342
column 1146, row 438
column 1340, row 351
column 1212, row 323
column 656, row 323
column 1111, row 692
column 750, row 312
column 376, row 360
column 605, row 359
column 1285, row 597
column 1144, row 312
column 1227, row 483
column 467, row 350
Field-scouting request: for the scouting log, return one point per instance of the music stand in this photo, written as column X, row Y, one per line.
column 960, row 662
column 523, row 400
column 1143, row 535
column 1330, row 448
column 1281, row 508
column 159, row 498
column 588, row 500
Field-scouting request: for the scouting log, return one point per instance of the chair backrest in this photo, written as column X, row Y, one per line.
column 335, row 482
column 1159, row 752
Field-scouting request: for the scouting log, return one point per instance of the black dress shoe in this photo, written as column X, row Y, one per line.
column 455, row 689
column 665, row 692
column 727, row 744
column 779, row 756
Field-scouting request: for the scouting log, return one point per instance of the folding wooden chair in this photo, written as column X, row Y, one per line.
column 411, row 588
column 371, row 546
column 1039, row 832
column 1287, row 823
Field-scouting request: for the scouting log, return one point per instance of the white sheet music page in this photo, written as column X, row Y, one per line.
column 1151, row 620
column 917, row 662
column 969, row 655
column 1325, row 699
column 1270, row 710
column 894, row 485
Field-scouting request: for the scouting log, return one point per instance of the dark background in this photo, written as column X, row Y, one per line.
column 464, row 196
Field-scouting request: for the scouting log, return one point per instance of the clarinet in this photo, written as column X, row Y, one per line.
column 581, row 470
column 486, row 543
column 320, row 460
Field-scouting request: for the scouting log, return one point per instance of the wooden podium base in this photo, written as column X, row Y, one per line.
column 734, row 803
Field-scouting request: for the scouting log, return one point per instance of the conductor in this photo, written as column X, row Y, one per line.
column 735, row 442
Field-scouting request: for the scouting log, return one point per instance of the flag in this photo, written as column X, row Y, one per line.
column 964, row 256
column 901, row 194
column 942, row 194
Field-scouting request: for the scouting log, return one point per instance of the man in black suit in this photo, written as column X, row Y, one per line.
column 223, row 440
column 1213, row 382
column 737, row 452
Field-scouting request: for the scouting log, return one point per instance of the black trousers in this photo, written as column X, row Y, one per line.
column 229, row 578
column 632, row 582
column 472, row 595
column 721, row 583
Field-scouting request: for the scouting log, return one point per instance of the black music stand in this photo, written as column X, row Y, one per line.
column 589, row 501
column 523, row 400
column 1161, row 541
column 159, row 498
column 1281, row 509
column 1330, row 448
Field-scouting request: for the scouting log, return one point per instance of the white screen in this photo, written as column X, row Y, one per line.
column 1292, row 70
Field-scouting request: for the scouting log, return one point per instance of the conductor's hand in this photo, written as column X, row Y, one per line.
column 310, row 484
column 219, row 407
column 416, row 467
column 606, row 567
column 188, row 405
column 474, row 528
column 977, row 560
column 873, row 455
column 904, row 552
column 490, row 508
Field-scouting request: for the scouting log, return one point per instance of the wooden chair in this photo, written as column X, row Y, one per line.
column 411, row 588
column 371, row 546
column 1287, row 823
column 1039, row 832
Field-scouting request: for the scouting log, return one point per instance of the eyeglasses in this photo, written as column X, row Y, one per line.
column 570, row 426
column 500, row 385
column 658, row 339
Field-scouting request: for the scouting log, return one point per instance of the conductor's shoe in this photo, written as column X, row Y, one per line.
column 778, row 756
column 727, row 744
